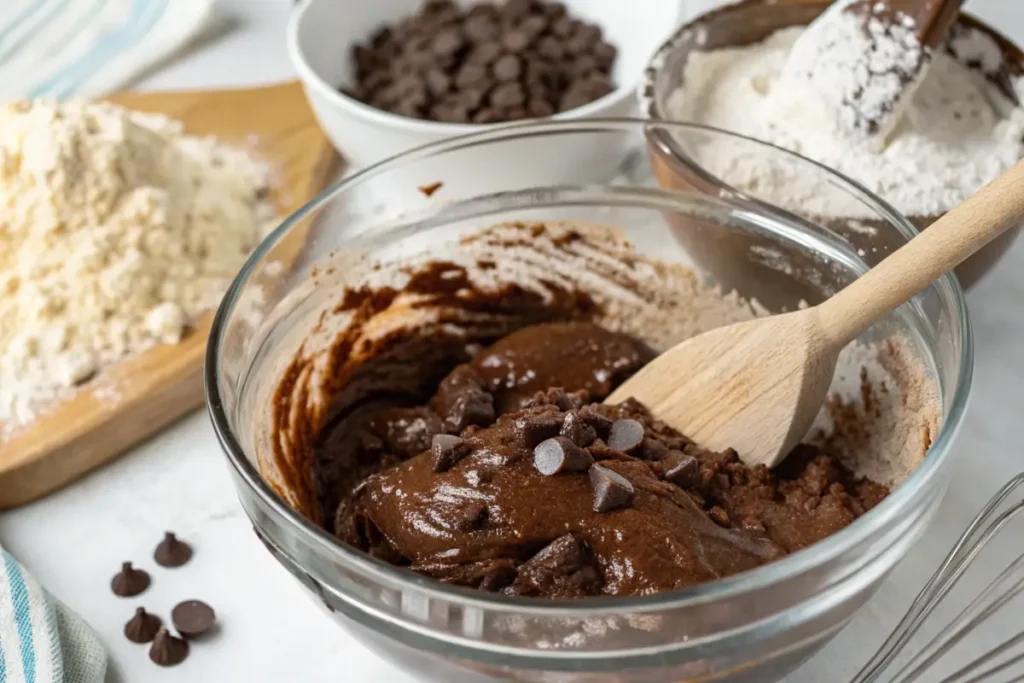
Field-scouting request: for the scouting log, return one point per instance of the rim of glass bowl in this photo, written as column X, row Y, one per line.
column 820, row 553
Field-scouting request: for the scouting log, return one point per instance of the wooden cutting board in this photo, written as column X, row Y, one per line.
column 149, row 391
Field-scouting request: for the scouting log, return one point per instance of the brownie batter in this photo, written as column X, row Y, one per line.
column 513, row 477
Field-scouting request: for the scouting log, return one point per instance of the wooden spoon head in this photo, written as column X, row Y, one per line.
column 755, row 386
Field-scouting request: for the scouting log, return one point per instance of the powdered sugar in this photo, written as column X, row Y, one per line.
column 959, row 132
column 863, row 63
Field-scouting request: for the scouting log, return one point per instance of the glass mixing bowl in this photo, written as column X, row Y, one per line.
column 755, row 626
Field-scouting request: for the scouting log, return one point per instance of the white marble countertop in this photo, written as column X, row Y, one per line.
column 271, row 631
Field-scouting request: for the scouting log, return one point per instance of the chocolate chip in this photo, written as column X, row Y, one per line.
column 563, row 27
column 508, row 68
column 530, row 430
column 485, row 54
column 446, row 451
column 447, row 42
column 508, row 95
column 611, row 489
column 515, row 41
column 471, row 75
column 605, row 55
column 167, row 650
column 534, row 26
column 193, row 618
column 720, row 517
column 498, row 576
column 487, row 115
column 462, row 401
column 577, row 430
column 562, row 399
column 626, row 435
column 438, row 82
column 481, row 28
column 142, row 627
column 563, row 568
column 599, row 450
column 600, row 422
column 517, row 9
column 472, row 98
column 129, row 581
column 684, row 472
column 172, row 552
column 539, row 109
column 558, row 455
column 653, row 449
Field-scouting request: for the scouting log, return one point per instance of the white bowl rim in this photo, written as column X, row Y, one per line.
column 309, row 76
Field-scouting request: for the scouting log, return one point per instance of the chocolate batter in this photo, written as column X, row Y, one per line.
column 513, row 477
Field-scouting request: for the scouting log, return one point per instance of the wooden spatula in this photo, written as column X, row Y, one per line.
column 865, row 58
column 757, row 386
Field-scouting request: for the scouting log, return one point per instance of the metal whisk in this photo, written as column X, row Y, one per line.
column 1005, row 661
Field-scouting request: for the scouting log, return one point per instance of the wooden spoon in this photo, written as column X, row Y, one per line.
column 866, row 58
column 757, row 386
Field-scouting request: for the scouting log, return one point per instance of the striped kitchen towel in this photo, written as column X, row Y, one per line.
column 59, row 48
column 41, row 640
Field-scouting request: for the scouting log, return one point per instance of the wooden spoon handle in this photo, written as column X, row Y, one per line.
column 909, row 270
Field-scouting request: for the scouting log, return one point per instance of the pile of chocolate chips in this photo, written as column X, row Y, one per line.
column 492, row 62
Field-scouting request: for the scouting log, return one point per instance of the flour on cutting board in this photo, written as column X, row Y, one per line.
column 116, row 231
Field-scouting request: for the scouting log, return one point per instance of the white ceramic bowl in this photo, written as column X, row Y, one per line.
column 321, row 34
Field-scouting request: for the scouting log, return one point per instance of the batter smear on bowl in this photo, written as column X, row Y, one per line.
column 461, row 432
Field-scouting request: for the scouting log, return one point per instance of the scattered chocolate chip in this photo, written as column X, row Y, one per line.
column 611, row 489
column 684, row 472
column 558, row 455
column 129, row 581
column 193, row 618
column 530, row 430
column 447, row 450
column 142, row 627
column 167, row 650
column 429, row 190
column 172, row 552
column 626, row 435
column 576, row 429
column 720, row 517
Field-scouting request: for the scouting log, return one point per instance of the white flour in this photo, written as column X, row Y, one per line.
column 116, row 231
column 864, row 62
column 959, row 132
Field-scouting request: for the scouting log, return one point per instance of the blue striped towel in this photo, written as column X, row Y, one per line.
column 41, row 640
column 59, row 48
